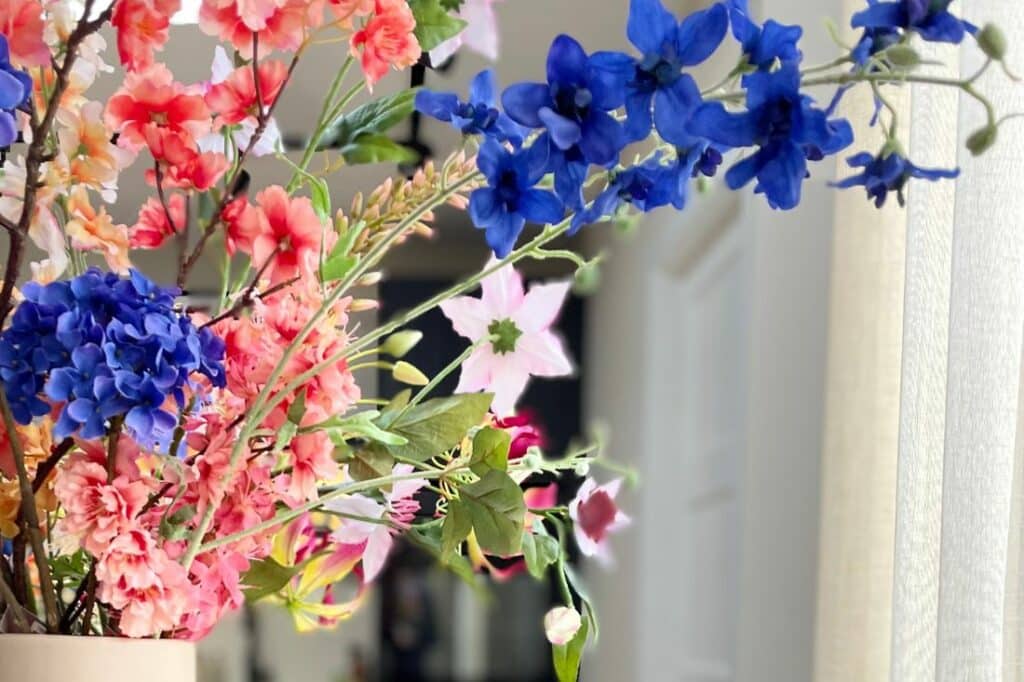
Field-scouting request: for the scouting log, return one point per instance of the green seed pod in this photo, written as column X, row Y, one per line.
column 982, row 140
column 992, row 42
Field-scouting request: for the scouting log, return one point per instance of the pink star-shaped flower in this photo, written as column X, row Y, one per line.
column 522, row 343
column 596, row 515
column 480, row 34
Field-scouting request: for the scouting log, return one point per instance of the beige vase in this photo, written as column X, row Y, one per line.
column 48, row 658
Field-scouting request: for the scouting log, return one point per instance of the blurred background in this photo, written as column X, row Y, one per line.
column 767, row 467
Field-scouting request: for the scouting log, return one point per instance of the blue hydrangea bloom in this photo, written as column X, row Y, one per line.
column 657, row 78
column 101, row 346
column 573, row 104
column 931, row 19
column 888, row 172
column 785, row 127
column 15, row 88
column 477, row 116
column 511, row 198
column 763, row 45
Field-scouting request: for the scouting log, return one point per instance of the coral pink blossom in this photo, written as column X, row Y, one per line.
column 284, row 26
column 595, row 515
column 253, row 13
column 399, row 507
column 312, row 462
column 525, row 345
column 96, row 511
column 182, row 165
column 218, row 579
column 142, row 27
column 135, row 576
column 152, row 99
column 153, row 228
column 234, row 99
column 386, row 40
column 284, row 234
column 345, row 11
column 22, row 22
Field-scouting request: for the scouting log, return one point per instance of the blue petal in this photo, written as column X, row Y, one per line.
column 541, row 207
column 673, row 107
column 439, row 105
column 489, row 159
column 881, row 15
column 567, row 61
column 536, row 160
column 502, row 236
column 638, row 115
column 12, row 91
column 743, row 28
column 483, row 88
column 483, row 206
column 649, row 25
column 523, row 102
column 80, row 410
column 701, row 33
column 713, row 122
column 564, row 133
column 603, row 138
column 777, row 41
column 942, row 28
column 609, row 75
column 744, row 171
column 782, row 177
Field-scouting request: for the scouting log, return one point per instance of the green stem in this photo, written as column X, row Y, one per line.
column 321, row 124
column 441, row 376
column 563, row 581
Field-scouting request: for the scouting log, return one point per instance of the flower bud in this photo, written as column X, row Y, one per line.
column 400, row 343
column 561, row 624
column 532, row 460
column 409, row 374
column 361, row 305
column 587, row 279
column 903, row 56
column 992, row 42
column 582, row 468
column 982, row 140
column 370, row 279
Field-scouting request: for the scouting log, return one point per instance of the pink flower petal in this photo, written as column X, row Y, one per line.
column 502, row 292
column 541, row 306
column 508, row 384
column 543, row 354
column 477, row 371
column 469, row 316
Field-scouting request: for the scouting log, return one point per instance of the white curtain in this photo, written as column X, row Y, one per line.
column 920, row 571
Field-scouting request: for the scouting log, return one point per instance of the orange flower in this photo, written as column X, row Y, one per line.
column 387, row 40
column 22, row 22
column 142, row 29
column 92, row 230
column 234, row 99
column 85, row 141
column 37, row 443
column 152, row 99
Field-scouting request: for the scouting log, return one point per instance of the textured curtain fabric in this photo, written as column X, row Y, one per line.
column 921, row 575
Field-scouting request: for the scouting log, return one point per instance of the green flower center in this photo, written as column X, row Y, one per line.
column 504, row 334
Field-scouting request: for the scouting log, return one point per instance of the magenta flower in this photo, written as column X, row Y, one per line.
column 596, row 515
column 521, row 343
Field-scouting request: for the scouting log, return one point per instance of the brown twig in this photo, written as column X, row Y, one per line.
column 261, row 126
column 31, row 518
column 7, row 595
column 250, row 295
column 37, row 154
column 44, row 470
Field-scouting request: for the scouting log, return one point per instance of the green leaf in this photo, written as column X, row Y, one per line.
column 433, row 23
column 490, row 450
column 285, row 434
column 321, row 198
column 456, row 527
column 363, row 425
column 428, row 538
column 173, row 527
column 266, row 577
column 567, row 657
column 394, row 408
column 452, row 5
column 373, row 118
column 70, row 567
column 369, row 462
column 539, row 551
column 377, row 148
column 337, row 266
column 495, row 504
column 584, row 595
column 435, row 426
column 297, row 410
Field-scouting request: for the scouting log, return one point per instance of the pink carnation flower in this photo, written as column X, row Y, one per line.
column 136, row 577
column 218, row 579
column 312, row 462
column 96, row 512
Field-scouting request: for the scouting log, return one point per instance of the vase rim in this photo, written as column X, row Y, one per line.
column 99, row 639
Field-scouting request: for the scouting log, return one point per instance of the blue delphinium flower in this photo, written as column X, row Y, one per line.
column 574, row 105
column 657, row 78
column 511, row 198
column 15, row 88
column 931, row 19
column 102, row 347
column 477, row 116
column 785, row 127
column 763, row 45
column 888, row 172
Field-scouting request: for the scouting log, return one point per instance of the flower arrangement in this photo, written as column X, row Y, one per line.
column 160, row 465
